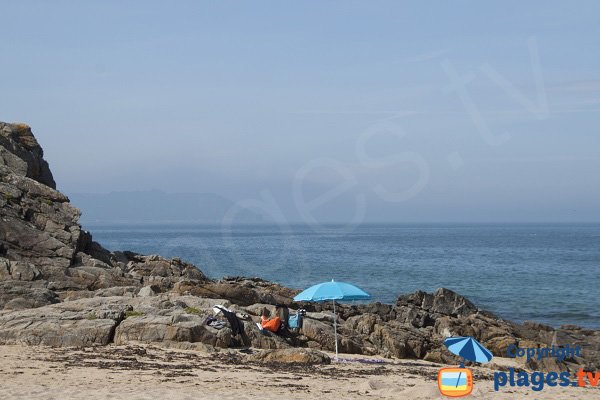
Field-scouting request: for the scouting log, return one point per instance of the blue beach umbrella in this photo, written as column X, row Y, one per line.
column 332, row 291
column 468, row 348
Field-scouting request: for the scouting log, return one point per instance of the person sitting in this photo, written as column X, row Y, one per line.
column 270, row 324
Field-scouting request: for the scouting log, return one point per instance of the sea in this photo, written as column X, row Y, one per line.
column 548, row 273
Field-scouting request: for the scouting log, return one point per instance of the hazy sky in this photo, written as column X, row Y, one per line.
column 374, row 111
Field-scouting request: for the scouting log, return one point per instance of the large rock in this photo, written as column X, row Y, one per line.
column 399, row 340
column 20, row 151
column 241, row 291
column 319, row 332
column 175, row 328
column 262, row 339
column 15, row 295
column 443, row 301
column 41, row 238
column 83, row 323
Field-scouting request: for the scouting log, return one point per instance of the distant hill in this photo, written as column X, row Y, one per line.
column 155, row 206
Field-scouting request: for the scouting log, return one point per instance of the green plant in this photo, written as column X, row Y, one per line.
column 192, row 310
column 91, row 316
column 133, row 313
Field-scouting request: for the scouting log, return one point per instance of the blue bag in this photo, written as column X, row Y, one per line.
column 294, row 321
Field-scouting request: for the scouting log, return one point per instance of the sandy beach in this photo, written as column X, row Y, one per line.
column 147, row 372
column 305, row 200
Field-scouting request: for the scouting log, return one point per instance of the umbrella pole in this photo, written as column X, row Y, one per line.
column 335, row 331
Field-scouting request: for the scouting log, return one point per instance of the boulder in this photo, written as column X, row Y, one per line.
column 148, row 291
column 159, row 328
column 263, row 340
column 48, row 331
column 443, row 301
column 24, row 271
column 399, row 340
column 319, row 332
column 17, row 295
column 79, row 323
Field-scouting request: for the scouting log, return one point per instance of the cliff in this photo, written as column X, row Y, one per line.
column 44, row 251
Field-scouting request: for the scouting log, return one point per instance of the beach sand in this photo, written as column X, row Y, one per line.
column 148, row 372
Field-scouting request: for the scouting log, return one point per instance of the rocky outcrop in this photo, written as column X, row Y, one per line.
column 174, row 320
column 60, row 288
column 82, row 323
column 42, row 244
column 239, row 290
column 17, row 295
column 21, row 153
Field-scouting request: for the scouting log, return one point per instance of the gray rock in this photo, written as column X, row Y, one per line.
column 319, row 332
column 41, row 238
column 443, row 301
column 160, row 328
column 4, row 269
column 147, row 291
column 78, row 323
column 21, row 152
column 126, row 291
column 24, row 271
column 18, row 295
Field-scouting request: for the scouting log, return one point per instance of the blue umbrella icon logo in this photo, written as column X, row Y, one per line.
column 468, row 348
column 457, row 382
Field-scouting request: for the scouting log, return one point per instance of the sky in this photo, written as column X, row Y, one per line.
column 317, row 111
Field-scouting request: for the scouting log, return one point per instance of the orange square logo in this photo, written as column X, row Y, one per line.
column 455, row 382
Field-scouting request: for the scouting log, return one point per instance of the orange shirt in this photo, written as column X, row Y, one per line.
column 272, row 324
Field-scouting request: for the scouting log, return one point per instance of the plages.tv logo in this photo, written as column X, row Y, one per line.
column 538, row 380
column 458, row 382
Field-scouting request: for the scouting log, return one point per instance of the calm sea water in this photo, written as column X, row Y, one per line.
column 547, row 273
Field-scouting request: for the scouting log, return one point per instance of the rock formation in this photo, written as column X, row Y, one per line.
column 45, row 254
column 58, row 287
